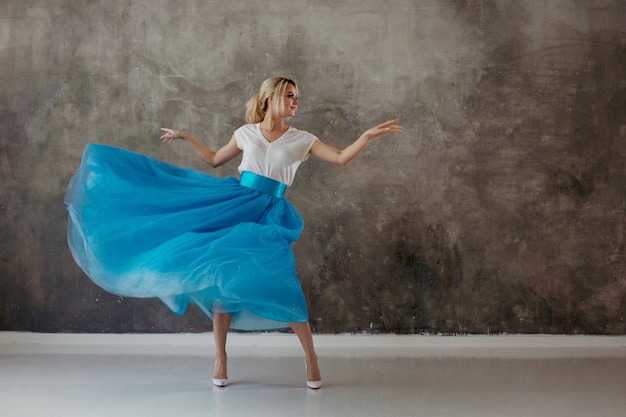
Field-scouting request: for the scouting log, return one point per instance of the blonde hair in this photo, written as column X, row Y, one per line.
column 258, row 104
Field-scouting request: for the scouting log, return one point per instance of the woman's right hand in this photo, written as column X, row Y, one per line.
column 171, row 135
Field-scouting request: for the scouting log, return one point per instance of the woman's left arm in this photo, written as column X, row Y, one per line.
column 344, row 157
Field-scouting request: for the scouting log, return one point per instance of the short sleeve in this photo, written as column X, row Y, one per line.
column 239, row 137
column 310, row 144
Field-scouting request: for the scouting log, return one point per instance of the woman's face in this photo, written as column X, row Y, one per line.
column 290, row 101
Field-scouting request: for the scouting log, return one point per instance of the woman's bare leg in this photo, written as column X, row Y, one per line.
column 221, row 323
column 303, row 331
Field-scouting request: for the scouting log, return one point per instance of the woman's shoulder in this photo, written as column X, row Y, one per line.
column 248, row 130
column 248, row 127
column 301, row 134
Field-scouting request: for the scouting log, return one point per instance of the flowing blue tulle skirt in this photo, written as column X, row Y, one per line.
column 139, row 227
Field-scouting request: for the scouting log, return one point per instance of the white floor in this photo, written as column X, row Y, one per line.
column 170, row 375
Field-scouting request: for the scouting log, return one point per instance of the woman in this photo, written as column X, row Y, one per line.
column 222, row 244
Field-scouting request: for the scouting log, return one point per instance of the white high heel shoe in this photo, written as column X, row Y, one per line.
column 221, row 383
column 312, row 384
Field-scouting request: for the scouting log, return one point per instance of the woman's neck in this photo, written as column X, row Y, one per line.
column 271, row 124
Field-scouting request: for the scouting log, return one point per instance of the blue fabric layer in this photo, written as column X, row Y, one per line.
column 140, row 227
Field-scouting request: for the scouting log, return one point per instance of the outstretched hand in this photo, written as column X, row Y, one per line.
column 171, row 135
column 389, row 127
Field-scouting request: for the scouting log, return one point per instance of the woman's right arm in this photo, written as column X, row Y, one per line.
column 215, row 159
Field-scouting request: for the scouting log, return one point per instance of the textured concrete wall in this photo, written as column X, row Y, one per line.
column 501, row 208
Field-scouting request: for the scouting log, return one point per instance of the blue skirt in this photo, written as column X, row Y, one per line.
column 140, row 227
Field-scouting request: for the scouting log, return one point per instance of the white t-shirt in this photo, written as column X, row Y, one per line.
column 279, row 159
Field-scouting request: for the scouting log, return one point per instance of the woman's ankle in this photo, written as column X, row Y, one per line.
column 221, row 367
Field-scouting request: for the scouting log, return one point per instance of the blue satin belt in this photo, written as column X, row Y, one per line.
column 263, row 184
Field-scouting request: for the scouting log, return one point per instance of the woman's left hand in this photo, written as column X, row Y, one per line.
column 389, row 127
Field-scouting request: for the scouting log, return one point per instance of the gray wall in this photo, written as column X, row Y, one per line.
column 500, row 208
